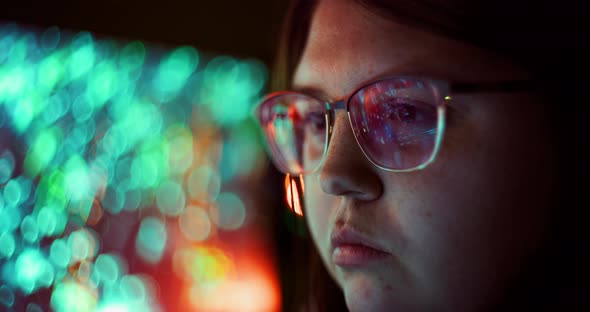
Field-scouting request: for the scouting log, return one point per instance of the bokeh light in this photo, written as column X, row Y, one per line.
column 194, row 223
column 151, row 239
column 229, row 213
column 123, row 157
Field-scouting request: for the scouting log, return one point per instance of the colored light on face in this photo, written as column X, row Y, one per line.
column 292, row 194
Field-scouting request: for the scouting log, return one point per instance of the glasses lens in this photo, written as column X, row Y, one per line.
column 396, row 122
column 295, row 127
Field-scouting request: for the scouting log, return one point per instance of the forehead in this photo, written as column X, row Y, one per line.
column 349, row 45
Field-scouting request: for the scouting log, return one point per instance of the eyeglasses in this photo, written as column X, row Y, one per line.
column 397, row 122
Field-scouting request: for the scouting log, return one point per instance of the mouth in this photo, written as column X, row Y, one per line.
column 352, row 249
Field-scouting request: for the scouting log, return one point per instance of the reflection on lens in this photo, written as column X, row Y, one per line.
column 396, row 122
column 295, row 127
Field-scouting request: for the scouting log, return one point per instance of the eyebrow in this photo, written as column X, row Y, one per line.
column 315, row 92
column 409, row 69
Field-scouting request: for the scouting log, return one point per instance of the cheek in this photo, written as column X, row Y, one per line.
column 478, row 211
column 319, row 208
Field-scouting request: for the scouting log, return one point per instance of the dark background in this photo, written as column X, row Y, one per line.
column 240, row 28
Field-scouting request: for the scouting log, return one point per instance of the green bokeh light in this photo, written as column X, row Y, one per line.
column 50, row 39
column 7, row 245
column 18, row 52
column 174, row 70
column 29, row 229
column 98, row 123
column 82, row 108
column 231, row 88
column 10, row 218
column 107, row 268
column 22, row 114
column 82, row 58
column 170, row 198
column 6, row 166
column 42, row 151
column 241, row 152
column 180, row 141
column 57, row 106
column 132, row 199
column 60, row 253
column 132, row 56
column 76, row 178
column 13, row 80
column 132, row 289
column 113, row 200
column 12, row 193
column 151, row 240
column 50, row 71
column 72, row 297
column 47, row 221
column 81, row 245
column 102, row 83
column 230, row 213
column 32, row 271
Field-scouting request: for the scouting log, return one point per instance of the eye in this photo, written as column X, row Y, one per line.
column 399, row 110
column 405, row 112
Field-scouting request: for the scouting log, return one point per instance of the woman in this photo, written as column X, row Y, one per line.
column 444, row 188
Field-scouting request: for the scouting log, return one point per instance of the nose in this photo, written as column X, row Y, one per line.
column 346, row 171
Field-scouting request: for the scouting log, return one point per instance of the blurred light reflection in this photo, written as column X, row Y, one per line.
column 127, row 159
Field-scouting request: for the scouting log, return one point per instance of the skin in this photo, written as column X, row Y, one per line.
column 461, row 229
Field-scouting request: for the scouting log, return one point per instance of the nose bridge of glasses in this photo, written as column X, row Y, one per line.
column 331, row 114
column 337, row 105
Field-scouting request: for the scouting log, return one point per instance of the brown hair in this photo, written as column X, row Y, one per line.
column 545, row 38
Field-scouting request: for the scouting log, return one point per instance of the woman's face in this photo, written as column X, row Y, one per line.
column 453, row 233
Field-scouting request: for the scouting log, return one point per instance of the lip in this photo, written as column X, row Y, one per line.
column 352, row 249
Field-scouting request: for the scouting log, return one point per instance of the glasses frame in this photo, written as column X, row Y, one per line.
column 445, row 90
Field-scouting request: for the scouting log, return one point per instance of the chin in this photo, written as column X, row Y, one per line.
column 371, row 293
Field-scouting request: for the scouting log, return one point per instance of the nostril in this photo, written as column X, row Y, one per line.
column 352, row 182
